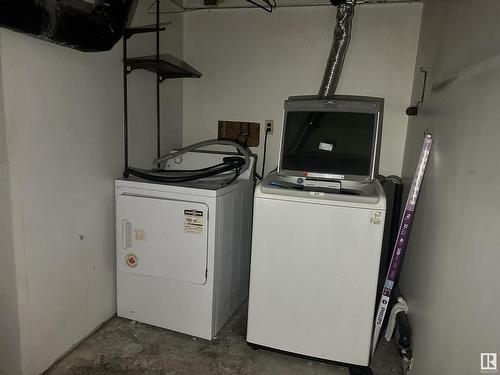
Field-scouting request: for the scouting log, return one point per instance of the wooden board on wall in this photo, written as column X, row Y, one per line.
column 247, row 133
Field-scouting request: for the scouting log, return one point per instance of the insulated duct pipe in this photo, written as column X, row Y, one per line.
column 341, row 39
column 85, row 25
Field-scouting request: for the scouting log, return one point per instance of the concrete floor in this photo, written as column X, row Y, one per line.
column 125, row 347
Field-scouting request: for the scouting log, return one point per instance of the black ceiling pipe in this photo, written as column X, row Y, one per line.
column 85, row 25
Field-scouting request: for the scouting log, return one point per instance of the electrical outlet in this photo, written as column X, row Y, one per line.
column 269, row 126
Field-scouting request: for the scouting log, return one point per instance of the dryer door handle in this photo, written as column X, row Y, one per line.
column 126, row 234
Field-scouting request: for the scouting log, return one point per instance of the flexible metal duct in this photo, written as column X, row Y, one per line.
column 341, row 39
column 86, row 25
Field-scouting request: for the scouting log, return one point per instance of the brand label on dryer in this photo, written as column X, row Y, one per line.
column 326, row 146
column 193, row 221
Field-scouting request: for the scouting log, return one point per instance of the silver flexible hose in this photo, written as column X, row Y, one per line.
column 244, row 152
column 341, row 39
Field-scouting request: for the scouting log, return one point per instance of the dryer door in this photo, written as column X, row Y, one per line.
column 162, row 238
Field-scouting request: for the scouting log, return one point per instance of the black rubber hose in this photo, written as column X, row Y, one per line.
column 236, row 163
column 207, row 172
column 186, row 171
column 244, row 151
column 404, row 329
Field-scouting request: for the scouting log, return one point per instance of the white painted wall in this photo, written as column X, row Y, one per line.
column 252, row 61
column 451, row 274
column 10, row 358
column 61, row 146
column 63, row 115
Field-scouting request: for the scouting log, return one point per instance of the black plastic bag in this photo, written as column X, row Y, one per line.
column 85, row 25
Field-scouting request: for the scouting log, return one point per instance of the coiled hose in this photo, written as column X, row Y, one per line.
column 238, row 164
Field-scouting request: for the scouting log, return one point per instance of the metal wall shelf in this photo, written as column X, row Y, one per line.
column 167, row 66
column 141, row 30
column 164, row 66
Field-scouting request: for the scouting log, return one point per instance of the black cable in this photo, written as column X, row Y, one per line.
column 265, row 151
column 236, row 175
column 274, row 170
column 242, row 133
column 247, row 135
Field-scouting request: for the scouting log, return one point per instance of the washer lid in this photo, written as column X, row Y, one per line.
column 368, row 195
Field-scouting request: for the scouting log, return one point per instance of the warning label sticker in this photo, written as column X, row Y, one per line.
column 193, row 221
column 140, row 234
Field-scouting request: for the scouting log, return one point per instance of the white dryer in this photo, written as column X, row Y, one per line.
column 183, row 250
column 314, row 270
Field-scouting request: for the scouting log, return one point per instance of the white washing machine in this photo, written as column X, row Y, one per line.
column 183, row 250
column 314, row 270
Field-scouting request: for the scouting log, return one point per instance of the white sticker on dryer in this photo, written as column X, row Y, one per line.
column 193, row 221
